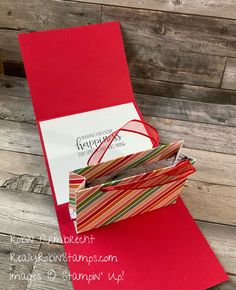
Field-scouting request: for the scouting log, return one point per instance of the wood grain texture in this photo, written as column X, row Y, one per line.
column 210, row 202
column 10, row 268
column 60, row 268
column 225, row 9
column 187, row 110
column 24, row 16
column 223, row 242
column 216, row 168
column 161, row 46
column 29, row 174
column 19, row 137
column 14, row 86
column 229, row 78
column 33, row 215
column 46, row 14
column 185, row 33
column 166, row 100
column 9, row 46
column 16, row 108
column 149, row 62
column 196, row 135
column 184, row 92
column 165, row 64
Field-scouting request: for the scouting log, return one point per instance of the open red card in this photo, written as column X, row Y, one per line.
column 79, row 80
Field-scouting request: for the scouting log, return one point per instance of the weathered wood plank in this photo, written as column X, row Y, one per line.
column 10, row 268
column 229, row 77
column 222, row 240
column 184, row 92
column 211, row 202
column 196, row 135
column 32, row 215
column 166, row 64
column 184, row 33
column 175, row 103
column 60, row 268
column 213, row 167
column 149, row 63
column 165, row 56
column 47, row 14
column 225, row 9
column 30, row 16
column 19, row 137
column 9, row 46
column 187, row 110
column 23, row 172
column 14, row 86
column 161, row 46
column 16, row 108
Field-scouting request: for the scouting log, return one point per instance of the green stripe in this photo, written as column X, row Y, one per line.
column 149, row 155
column 82, row 170
column 90, row 199
column 72, row 201
column 130, row 206
column 94, row 196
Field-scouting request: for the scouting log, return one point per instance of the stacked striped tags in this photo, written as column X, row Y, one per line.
column 93, row 207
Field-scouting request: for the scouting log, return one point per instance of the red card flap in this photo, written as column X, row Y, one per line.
column 75, row 70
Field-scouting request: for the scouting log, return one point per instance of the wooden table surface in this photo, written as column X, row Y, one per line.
column 26, row 206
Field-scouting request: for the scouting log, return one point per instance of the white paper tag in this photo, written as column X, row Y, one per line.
column 70, row 140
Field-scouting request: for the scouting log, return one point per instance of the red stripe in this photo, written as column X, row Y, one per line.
column 160, row 197
column 76, row 181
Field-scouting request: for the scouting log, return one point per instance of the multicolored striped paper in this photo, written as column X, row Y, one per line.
column 93, row 207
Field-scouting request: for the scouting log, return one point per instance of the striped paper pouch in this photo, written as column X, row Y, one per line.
column 107, row 192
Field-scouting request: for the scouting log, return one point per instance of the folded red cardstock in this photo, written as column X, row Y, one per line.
column 81, row 69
